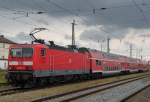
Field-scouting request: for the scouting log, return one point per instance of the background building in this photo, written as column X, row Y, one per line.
column 4, row 46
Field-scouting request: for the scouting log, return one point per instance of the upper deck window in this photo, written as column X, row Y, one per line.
column 98, row 62
column 21, row 52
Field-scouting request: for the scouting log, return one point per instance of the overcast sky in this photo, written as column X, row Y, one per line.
column 125, row 22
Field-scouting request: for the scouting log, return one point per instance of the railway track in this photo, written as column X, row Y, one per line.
column 125, row 99
column 9, row 91
column 74, row 95
column 14, row 90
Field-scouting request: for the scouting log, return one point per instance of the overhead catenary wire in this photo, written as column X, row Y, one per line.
column 26, row 23
column 19, row 21
column 61, row 20
column 70, row 11
column 59, row 6
column 73, row 11
column 141, row 11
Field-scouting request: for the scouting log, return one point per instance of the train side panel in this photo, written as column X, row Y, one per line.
column 59, row 62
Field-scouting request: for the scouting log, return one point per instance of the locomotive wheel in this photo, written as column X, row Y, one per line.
column 22, row 85
column 96, row 76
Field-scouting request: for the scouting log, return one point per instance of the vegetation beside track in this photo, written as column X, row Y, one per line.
column 61, row 89
column 2, row 77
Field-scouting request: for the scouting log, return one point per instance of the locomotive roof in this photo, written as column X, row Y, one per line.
column 60, row 48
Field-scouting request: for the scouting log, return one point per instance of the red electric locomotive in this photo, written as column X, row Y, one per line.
column 44, row 63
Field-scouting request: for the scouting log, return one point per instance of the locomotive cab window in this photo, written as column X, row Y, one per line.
column 98, row 62
column 21, row 52
column 43, row 52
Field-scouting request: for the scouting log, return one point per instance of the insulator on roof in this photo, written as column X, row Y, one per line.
column 52, row 43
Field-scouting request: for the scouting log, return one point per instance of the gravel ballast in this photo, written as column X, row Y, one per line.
column 118, row 93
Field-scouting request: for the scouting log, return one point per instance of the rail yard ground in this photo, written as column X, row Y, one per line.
column 33, row 94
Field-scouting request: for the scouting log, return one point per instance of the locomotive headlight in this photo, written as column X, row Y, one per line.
column 11, row 68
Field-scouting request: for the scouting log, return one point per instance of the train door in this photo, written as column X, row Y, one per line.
column 51, row 63
column 42, row 59
column 90, row 60
column 84, row 64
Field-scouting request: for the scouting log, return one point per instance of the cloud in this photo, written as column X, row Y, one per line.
column 118, row 17
column 122, row 13
column 92, row 34
column 67, row 37
column 21, row 37
column 120, row 20
column 42, row 21
column 96, row 33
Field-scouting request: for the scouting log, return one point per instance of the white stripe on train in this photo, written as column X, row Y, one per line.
column 20, row 63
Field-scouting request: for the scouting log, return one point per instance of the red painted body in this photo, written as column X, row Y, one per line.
column 55, row 59
column 48, row 61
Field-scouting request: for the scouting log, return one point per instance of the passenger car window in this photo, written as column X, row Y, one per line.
column 98, row 62
column 43, row 52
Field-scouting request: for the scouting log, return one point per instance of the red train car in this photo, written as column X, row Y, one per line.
column 41, row 63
